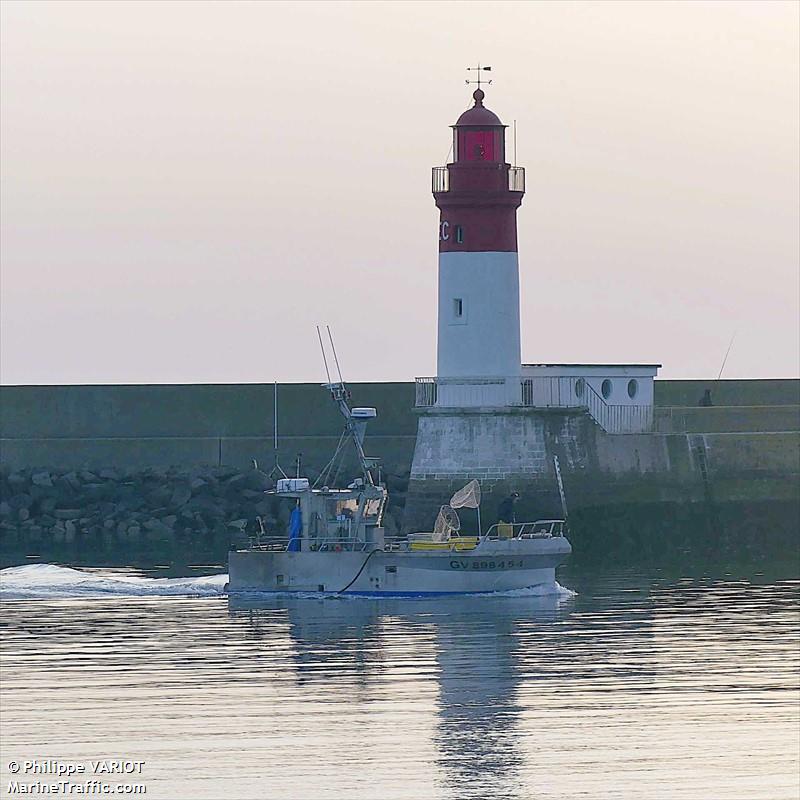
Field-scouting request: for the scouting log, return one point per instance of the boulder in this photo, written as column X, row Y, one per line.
column 17, row 480
column 5, row 509
column 180, row 496
column 72, row 480
column 47, row 505
column 258, row 481
column 21, row 500
column 197, row 484
column 67, row 513
column 23, row 514
column 42, row 479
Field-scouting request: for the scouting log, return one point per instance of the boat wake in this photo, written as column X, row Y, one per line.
column 51, row 581
column 545, row 590
column 43, row 581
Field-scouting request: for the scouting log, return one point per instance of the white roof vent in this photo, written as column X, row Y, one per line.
column 364, row 413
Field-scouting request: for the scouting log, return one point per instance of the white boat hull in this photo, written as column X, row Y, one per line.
column 493, row 566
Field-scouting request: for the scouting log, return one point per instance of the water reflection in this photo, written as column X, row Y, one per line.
column 644, row 685
column 472, row 650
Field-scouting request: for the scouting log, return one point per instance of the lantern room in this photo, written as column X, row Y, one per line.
column 478, row 135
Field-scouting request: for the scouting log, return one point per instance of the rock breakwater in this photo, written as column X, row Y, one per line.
column 178, row 513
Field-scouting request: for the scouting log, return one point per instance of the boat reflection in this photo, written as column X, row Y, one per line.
column 470, row 647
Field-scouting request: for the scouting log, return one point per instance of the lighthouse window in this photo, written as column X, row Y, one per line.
column 477, row 146
column 605, row 389
column 458, row 307
column 459, row 234
column 633, row 388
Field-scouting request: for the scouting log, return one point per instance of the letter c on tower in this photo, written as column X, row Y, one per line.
column 444, row 231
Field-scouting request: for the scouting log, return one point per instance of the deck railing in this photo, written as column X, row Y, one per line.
column 541, row 529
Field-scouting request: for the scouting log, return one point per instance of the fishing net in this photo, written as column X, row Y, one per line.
column 468, row 497
column 447, row 524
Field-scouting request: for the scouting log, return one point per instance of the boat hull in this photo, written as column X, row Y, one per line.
column 491, row 567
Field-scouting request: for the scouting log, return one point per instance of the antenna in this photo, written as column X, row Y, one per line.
column 335, row 357
column 324, row 358
column 515, row 143
column 727, row 353
column 275, row 417
column 478, row 69
column 276, row 466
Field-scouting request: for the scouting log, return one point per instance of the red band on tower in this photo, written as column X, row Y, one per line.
column 478, row 193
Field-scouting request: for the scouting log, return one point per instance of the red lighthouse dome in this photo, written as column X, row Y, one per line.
column 478, row 114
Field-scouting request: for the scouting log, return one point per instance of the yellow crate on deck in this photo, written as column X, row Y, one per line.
column 456, row 543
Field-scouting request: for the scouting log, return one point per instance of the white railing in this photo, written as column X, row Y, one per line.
column 426, row 392
column 516, row 179
column 618, row 418
column 541, row 529
column 467, row 392
column 440, row 179
column 553, row 392
column 537, row 392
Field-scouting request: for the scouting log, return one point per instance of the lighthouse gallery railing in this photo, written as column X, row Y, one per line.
column 440, row 179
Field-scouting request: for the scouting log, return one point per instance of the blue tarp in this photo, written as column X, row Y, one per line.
column 295, row 529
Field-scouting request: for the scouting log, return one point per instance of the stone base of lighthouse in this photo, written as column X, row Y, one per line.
column 506, row 449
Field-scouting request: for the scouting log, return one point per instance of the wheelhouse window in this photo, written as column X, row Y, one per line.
column 458, row 307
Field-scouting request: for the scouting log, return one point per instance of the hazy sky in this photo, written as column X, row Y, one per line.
column 189, row 187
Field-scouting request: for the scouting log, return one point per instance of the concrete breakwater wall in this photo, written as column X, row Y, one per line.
column 699, row 481
column 119, row 461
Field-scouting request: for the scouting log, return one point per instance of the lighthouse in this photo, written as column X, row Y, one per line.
column 485, row 415
column 478, row 194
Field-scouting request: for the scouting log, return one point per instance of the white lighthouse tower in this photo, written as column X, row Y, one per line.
column 478, row 193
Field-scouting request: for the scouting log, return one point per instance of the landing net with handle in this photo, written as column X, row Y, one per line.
column 468, row 497
column 447, row 524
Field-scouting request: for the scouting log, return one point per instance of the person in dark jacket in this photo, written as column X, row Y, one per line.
column 506, row 511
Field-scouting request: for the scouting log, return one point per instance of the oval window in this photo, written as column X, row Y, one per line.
column 633, row 388
column 579, row 387
column 605, row 389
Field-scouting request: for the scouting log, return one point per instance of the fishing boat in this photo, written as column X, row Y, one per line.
column 335, row 542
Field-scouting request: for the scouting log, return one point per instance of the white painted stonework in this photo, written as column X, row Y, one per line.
column 492, row 446
column 479, row 316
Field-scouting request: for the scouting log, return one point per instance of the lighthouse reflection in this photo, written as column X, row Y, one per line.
column 460, row 658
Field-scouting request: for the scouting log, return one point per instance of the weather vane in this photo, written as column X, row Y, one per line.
column 478, row 69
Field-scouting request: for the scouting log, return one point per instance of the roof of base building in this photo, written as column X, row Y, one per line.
column 605, row 366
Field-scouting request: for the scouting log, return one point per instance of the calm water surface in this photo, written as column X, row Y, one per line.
column 640, row 686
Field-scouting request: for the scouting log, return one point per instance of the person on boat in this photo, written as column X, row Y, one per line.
column 506, row 512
